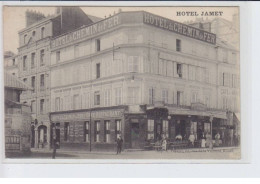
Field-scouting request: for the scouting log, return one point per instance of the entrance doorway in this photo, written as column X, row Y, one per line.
column 135, row 136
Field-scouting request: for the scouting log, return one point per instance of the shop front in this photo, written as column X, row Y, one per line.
column 88, row 130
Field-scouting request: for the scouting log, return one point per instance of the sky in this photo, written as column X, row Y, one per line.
column 14, row 17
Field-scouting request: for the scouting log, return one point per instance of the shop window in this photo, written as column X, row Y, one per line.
column 165, row 96
column 107, row 131
column 24, row 63
column 98, row 45
column 97, row 98
column 178, row 45
column 179, row 70
column 42, row 106
column 193, row 129
column 118, row 128
column 206, row 128
column 33, row 60
column 57, row 56
column 98, row 70
column 118, row 96
column 151, row 96
column 66, row 131
column 150, row 129
column 42, row 54
column 33, row 84
column 86, row 131
column 166, row 128
column 57, row 104
column 97, row 131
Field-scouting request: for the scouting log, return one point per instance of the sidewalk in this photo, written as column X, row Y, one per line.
column 129, row 151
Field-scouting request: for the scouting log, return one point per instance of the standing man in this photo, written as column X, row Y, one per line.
column 119, row 143
column 55, row 144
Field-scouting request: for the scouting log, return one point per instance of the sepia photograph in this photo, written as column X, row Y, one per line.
column 160, row 83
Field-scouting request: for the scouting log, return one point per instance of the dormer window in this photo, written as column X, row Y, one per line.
column 42, row 32
column 24, row 39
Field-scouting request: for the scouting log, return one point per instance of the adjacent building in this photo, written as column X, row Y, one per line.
column 34, row 61
column 10, row 63
column 139, row 76
column 17, row 116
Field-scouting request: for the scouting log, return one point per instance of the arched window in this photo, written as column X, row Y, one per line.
column 42, row 32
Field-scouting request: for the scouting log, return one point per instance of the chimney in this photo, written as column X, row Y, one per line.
column 33, row 17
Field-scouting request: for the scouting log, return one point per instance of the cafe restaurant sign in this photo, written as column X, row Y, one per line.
column 179, row 28
column 86, row 31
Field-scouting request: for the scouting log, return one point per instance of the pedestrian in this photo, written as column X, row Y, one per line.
column 217, row 139
column 192, row 139
column 164, row 144
column 119, row 143
column 55, row 145
column 203, row 140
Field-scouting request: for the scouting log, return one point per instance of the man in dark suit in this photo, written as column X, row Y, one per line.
column 119, row 143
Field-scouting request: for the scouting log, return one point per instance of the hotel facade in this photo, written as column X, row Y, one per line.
column 140, row 76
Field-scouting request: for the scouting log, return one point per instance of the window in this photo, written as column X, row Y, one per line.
column 207, row 101
column 226, row 79
column 178, row 45
column 150, row 129
column 133, row 62
column 42, row 32
column 118, row 96
column 42, row 106
column 107, row 131
column 76, row 102
column 165, row 96
column 97, row 131
column 107, row 97
column 33, row 60
column 24, row 62
column 13, row 73
column 225, row 55
column 42, row 80
column 57, row 103
column 33, row 84
column 86, row 131
column 194, row 97
column 193, row 129
column 76, row 51
column 98, row 70
column 25, row 80
column 97, row 45
column 179, row 98
column 25, row 39
column 42, row 57
column 234, row 57
column 179, row 70
column 97, row 98
column 151, row 96
column 224, row 103
column 66, row 131
column 166, row 128
column 33, row 33
column 13, row 62
column 118, row 128
column 57, row 56
column 206, row 127
column 133, row 95
column 33, row 106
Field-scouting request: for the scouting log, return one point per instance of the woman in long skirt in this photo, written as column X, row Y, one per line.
column 203, row 141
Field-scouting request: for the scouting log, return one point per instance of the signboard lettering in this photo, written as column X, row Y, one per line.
column 179, row 28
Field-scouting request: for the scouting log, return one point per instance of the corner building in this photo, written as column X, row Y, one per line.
column 140, row 76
